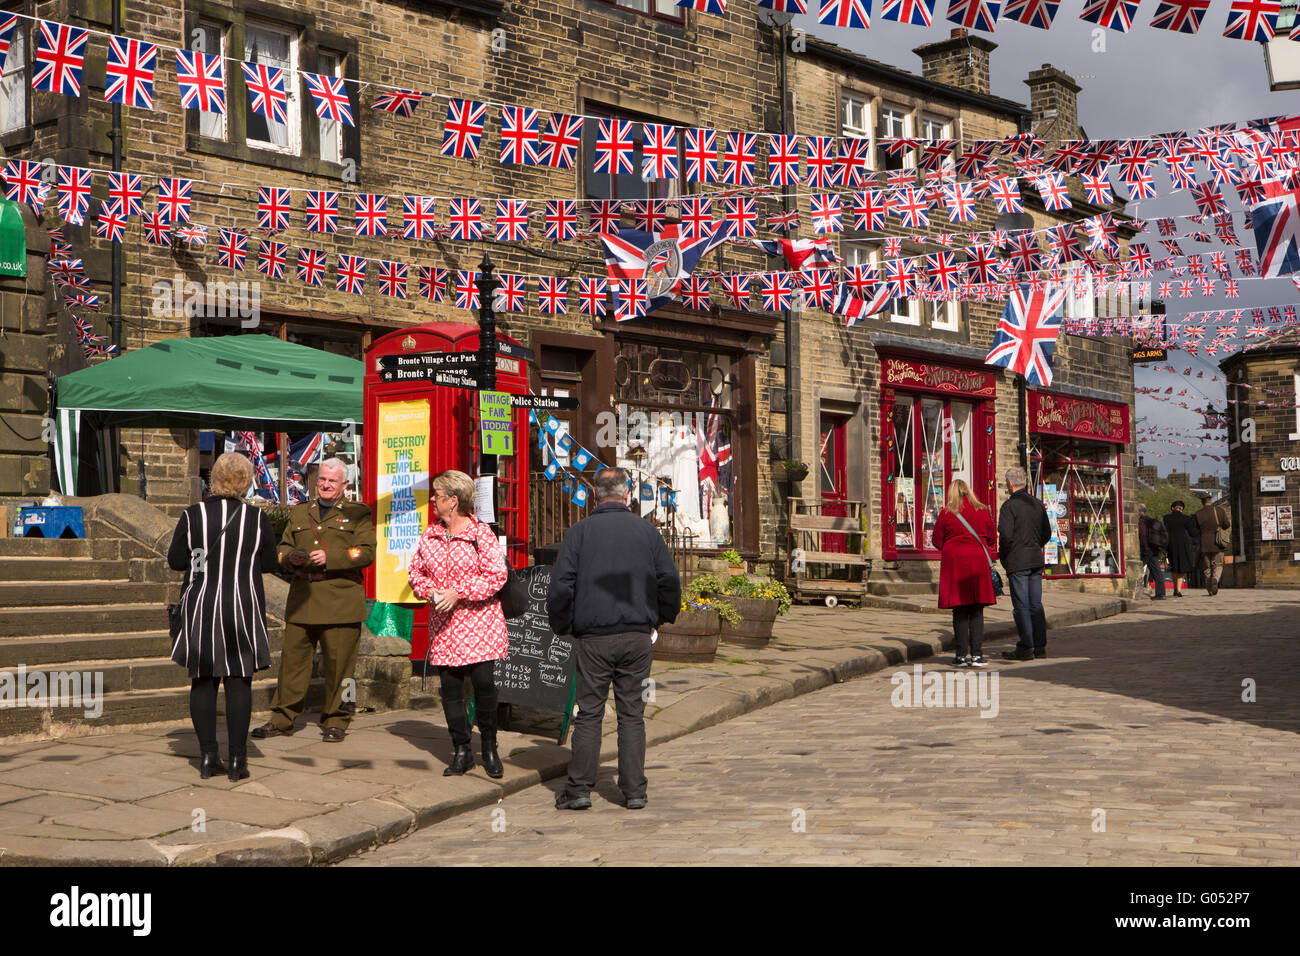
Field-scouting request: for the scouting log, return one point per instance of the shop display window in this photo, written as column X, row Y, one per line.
column 1078, row 482
column 932, row 438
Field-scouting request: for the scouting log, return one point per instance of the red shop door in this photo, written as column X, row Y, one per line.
column 834, row 477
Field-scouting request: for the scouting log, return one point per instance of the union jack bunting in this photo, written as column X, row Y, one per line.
column 65, row 270
column 697, row 217
column 974, row 14
column 392, row 279
column 853, row 14
column 1276, row 224
column 110, row 225
column 202, row 80
column 823, row 172
column 194, row 235
column 1252, row 20
column 736, row 289
column 74, row 194
column 900, row 278
column 433, row 283
column 776, row 291
column 960, row 200
column 912, row 207
column 125, row 195
column 695, row 293
column 659, row 151
column 463, row 130
column 330, row 97
column 351, row 274
column 718, row 7
column 651, row 214
column 266, row 93
column 861, row 279
column 1026, row 337
column 520, row 138
column 128, row 73
column 818, row 287
column 418, row 220
column 605, row 215
column 511, row 293
column 1033, row 13
column 631, row 298
column 401, row 102
column 560, row 141
column 742, row 217
column 60, row 56
column 1051, row 185
column 614, row 147
column 853, row 162
column 869, row 209
column 512, row 220
column 552, row 295
column 7, row 27
column 782, row 159
column 1209, row 200
column 701, row 155
column 919, row 13
column 466, row 219
column 272, row 208
column 271, row 258
column 311, row 266
column 785, row 6
column 827, row 216
column 1183, row 16
column 467, row 290
column 784, row 221
column 371, row 214
column 174, row 199
column 1111, row 14
column 561, row 220
column 322, row 209
column 232, row 248
column 592, row 296
column 23, row 182
column 981, row 260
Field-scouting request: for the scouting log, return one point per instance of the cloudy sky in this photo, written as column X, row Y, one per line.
column 1143, row 82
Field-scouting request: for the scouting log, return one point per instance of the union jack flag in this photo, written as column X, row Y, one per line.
column 827, row 216
column 605, row 215
column 202, row 81
column 659, row 151
column 552, row 295
column 402, row 102
column 1252, row 20
column 512, row 220
column 23, row 182
column 1111, row 14
column 695, row 293
column 311, row 266
column 371, row 214
column 1026, row 337
column 1209, row 200
column 960, row 200
column 463, row 130
column 823, row 170
column 900, row 278
column 519, row 135
column 128, row 74
column 861, row 279
column 1183, row 16
column 943, row 270
column 784, row 221
column 919, row 13
column 1181, row 173
column 272, row 258
column 561, row 140
column 418, row 220
column 854, row 308
column 273, row 208
column 614, row 147
column 718, row 7
column 981, row 260
column 974, row 14
column 174, row 199
column 736, row 289
column 869, row 209
column 351, row 274
column 561, row 220
column 631, row 298
column 511, row 293
column 466, row 219
column 742, row 218
column 785, row 6
column 782, row 159
column 697, row 217
column 322, row 210
column 330, row 97
column 1033, row 13
column 776, row 290
column 592, row 296
column 392, row 279
column 266, row 92
column 1051, row 185
column 818, row 287
column 701, row 155
column 651, row 215
column 854, row 158
column 125, row 195
column 232, row 248
column 912, row 207
column 467, row 290
column 433, row 283
column 1276, row 224
column 110, row 225
column 74, row 193
column 63, row 271
column 852, row 14
column 60, row 56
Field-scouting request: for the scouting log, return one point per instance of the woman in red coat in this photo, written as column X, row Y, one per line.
column 965, row 584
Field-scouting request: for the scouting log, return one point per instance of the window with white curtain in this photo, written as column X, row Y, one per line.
column 331, row 131
column 15, row 83
column 213, row 39
column 275, row 47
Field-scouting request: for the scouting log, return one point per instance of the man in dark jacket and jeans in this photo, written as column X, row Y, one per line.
column 613, row 584
column 1023, row 530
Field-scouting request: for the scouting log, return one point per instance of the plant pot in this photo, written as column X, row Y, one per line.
column 796, row 474
column 757, row 616
column 736, row 569
column 692, row 637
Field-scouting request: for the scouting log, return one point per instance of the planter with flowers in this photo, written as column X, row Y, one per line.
column 795, row 470
column 695, row 634
column 759, row 603
column 735, row 563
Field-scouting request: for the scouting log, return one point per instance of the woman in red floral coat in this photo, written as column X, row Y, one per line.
column 458, row 568
column 965, row 582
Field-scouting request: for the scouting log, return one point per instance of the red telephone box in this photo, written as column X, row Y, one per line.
column 416, row 428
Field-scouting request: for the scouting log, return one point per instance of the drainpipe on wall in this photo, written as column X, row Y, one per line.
column 791, row 346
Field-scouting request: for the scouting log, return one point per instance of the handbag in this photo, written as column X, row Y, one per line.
column 1222, row 536
column 513, row 595
column 997, row 578
column 175, row 612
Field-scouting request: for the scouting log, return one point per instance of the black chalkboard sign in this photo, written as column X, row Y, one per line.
column 538, row 668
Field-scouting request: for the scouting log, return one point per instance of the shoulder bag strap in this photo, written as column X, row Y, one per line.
column 977, row 537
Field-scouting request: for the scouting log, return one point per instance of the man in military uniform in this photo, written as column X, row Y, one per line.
column 324, row 546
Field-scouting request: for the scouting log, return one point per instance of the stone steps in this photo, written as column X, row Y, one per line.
column 45, row 547
column 31, row 594
column 68, row 650
column 28, row 567
column 55, row 620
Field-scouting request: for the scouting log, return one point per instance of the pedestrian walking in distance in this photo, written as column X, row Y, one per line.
column 1023, row 532
column 1152, row 539
column 1213, row 525
column 613, row 584
column 224, row 546
column 1184, row 545
column 325, row 544
column 965, row 537
column 459, row 568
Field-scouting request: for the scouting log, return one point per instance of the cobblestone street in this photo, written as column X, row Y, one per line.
column 1130, row 745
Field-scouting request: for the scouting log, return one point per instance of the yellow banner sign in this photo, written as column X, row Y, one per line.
column 402, row 495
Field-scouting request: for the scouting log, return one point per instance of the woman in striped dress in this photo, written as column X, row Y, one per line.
column 224, row 546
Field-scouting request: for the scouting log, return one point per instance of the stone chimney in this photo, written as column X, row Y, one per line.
column 1054, row 103
column 962, row 60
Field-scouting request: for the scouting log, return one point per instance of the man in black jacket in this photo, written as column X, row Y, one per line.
column 1023, row 531
column 613, row 584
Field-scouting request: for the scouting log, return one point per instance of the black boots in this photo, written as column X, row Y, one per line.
column 211, row 764
column 461, row 761
column 487, row 724
column 238, row 768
